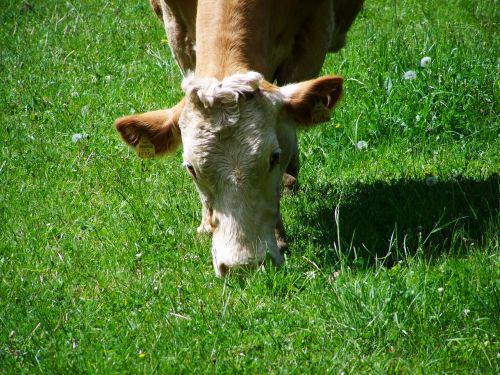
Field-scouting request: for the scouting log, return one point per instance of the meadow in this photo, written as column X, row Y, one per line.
column 393, row 265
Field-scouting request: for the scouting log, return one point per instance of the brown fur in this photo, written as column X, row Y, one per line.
column 345, row 13
column 157, row 8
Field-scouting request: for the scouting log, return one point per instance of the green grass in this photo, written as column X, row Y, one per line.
column 100, row 269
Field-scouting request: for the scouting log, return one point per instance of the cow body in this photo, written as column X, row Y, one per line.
column 236, row 126
column 285, row 41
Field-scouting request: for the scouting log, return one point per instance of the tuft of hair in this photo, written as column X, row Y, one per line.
column 221, row 97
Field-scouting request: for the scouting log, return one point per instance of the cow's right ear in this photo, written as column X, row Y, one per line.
column 161, row 128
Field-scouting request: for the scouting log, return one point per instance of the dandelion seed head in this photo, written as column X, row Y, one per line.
column 362, row 145
column 425, row 61
column 77, row 137
column 410, row 75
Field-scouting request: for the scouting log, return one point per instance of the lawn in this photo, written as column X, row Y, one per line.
column 394, row 262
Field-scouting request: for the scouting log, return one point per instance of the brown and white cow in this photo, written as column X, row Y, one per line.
column 249, row 68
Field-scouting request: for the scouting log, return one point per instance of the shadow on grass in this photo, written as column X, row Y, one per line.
column 393, row 219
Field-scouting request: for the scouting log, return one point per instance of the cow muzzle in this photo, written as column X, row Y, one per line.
column 232, row 257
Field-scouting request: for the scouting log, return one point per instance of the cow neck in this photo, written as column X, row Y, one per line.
column 228, row 40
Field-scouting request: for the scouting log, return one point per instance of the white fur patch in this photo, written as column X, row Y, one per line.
column 222, row 96
column 289, row 90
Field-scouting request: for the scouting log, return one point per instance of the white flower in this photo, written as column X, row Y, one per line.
column 77, row 137
column 425, row 61
column 310, row 274
column 361, row 145
column 466, row 312
column 85, row 110
column 430, row 180
column 410, row 75
column 440, row 290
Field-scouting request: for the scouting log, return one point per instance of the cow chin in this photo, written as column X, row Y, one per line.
column 230, row 254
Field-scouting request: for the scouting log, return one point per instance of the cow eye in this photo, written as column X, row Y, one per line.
column 190, row 169
column 274, row 159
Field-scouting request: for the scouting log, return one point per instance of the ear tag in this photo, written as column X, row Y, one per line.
column 320, row 113
column 145, row 149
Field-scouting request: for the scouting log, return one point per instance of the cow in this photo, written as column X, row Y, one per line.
column 249, row 69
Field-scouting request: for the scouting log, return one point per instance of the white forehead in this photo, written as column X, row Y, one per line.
column 221, row 114
column 207, row 142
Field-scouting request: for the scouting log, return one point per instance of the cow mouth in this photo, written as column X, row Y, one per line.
column 227, row 266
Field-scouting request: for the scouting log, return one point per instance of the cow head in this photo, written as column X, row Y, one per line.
column 238, row 135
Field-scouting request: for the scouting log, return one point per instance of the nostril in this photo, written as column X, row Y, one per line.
column 223, row 269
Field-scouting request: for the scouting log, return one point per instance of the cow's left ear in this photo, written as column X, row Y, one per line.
column 310, row 102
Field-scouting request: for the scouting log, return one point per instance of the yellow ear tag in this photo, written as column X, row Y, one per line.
column 145, row 149
column 320, row 113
